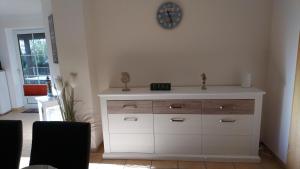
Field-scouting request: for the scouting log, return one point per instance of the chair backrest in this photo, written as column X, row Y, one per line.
column 11, row 139
column 63, row 145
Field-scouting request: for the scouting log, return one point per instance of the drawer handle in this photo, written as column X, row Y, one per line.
column 177, row 119
column 134, row 106
column 227, row 121
column 130, row 119
column 221, row 107
column 176, row 106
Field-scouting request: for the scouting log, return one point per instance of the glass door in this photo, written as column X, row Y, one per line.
column 34, row 59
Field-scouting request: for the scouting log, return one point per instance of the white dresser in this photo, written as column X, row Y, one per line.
column 5, row 105
column 219, row 124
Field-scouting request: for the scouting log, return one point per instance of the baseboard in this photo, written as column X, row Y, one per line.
column 12, row 110
column 17, row 109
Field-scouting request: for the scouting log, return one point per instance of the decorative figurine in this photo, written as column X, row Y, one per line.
column 50, row 94
column 203, row 87
column 125, row 79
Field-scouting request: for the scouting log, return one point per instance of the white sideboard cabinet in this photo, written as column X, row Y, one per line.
column 221, row 123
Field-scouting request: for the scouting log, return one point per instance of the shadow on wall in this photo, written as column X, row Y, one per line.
column 272, row 132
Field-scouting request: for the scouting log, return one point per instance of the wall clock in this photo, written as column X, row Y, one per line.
column 169, row 15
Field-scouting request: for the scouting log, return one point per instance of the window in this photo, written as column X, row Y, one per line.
column 34, row 59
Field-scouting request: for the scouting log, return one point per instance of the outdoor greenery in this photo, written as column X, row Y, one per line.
column 34, row 59
column 39, row 49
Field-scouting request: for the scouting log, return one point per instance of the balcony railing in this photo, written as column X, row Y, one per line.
column 36, row 75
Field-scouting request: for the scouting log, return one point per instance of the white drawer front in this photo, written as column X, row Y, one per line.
column 129, row 106
column 132, row 143
column 177, row 144
column 177, row 123
column 130, row 123
column 227, row 124
column 227, row 145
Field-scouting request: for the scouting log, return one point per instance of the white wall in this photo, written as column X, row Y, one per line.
column 98, row 39
column 101, row 38
column 221, row 38
column 280, row 76
column 46, row 11
column 8, row 53
column 72, row 49
column 71, row 39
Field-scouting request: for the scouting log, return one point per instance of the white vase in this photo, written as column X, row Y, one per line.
column 246, row 80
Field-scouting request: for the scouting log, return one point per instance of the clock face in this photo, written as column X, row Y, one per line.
column 169, row 15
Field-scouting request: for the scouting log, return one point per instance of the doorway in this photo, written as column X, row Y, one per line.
column 32, row 58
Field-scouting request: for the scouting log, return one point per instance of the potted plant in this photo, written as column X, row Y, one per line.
column 65, row 97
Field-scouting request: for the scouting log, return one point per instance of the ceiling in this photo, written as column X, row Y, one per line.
column 20, row 7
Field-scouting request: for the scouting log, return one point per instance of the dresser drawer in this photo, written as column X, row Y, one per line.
column 177, row 123
column 130, row 123
column 177, row 107
column 227, row 145
column 228, row 106
column 227, row 124
column 178, row 144
column 132, row 106
column 132, row 143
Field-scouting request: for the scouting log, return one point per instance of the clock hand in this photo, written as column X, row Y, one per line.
column 171, row 20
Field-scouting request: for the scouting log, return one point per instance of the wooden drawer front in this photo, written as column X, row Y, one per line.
column 227, row 124
column 177, row 123
column 226, row 145
column 132, row 143
column 123, row 107
column 228, row 106
column 178, row 144
column 177, row 107
column 130, row 123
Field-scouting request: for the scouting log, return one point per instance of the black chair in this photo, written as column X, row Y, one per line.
column 11, row 139
column 63, row 145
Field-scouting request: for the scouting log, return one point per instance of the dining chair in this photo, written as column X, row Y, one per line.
column 11, row 138
column 63, row 145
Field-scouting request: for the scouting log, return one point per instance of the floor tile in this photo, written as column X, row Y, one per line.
column 24, row 162
column 93, row 166
column 96, row 158
column 190, row 165
column 248, row 166
column 164, row 164
column 111, row 164
column 137, row 164
column 270, row 165
column 214, row 165
column 268, row 161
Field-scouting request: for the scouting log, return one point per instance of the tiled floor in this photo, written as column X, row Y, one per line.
column 268, row 161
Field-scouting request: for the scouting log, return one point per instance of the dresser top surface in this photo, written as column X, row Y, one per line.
column 211, row 90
